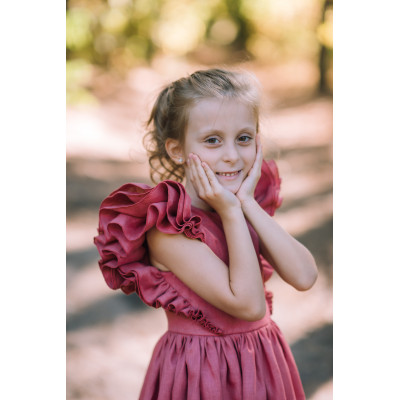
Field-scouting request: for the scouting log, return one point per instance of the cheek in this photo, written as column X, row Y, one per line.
column 195, row 148
column 249, row 155
column 210, row 157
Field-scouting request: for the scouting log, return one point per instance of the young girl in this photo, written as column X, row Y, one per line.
column 203, row 251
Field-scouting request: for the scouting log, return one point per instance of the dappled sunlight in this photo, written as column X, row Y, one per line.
column 223, row 31
column 308, row 124
column 118, row 35
column 120, row 53
column 304, row 186
column 324, row 392
column 84, row 287
column 109, row 361
column 110, row 341
column 300, row 220
column 112, row 360
column 88, row 135
column 179, row 28
column 115, row 129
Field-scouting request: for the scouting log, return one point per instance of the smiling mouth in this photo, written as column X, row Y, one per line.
column 228, row 174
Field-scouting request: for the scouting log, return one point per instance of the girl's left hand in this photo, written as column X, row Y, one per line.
column 248, row 186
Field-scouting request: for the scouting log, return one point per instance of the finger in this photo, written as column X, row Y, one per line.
column 211, row 176
column 194, row 178
column 259, row 157
column 200, row 182
column 203, row 178
column 258, row 144
column 259, row 154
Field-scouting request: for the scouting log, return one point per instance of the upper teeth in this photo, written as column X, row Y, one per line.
column 227, row 174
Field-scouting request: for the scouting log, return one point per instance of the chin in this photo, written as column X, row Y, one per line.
column 233, row 188
column 233, row 185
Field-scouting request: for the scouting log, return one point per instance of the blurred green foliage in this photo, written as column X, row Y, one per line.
column 117, row 35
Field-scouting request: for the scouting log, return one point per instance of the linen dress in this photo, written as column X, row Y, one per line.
column 206, row 353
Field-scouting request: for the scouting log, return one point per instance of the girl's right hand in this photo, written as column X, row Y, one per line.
column 209, row 189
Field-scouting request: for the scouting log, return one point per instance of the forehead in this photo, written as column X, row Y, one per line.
column 220, row 114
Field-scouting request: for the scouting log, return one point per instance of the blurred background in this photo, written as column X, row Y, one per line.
column 119, row 54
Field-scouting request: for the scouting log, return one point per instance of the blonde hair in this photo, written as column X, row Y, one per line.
column 170, row 113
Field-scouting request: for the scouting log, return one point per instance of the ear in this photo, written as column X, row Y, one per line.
column 175, row 151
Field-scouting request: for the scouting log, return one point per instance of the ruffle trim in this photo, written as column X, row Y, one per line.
column 125, row 217
column 164, row 295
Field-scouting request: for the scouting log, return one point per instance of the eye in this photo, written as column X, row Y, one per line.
column 212, row 140
column 245, row 138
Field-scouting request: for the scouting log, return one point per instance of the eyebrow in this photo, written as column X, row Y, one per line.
column 212, row 131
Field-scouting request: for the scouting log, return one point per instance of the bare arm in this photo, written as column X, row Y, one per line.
column 237, row 290
column 292, row 261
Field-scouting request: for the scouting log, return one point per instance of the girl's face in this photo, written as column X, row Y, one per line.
column 222, row 132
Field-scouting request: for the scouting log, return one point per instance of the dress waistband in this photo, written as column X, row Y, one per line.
column 187, row 326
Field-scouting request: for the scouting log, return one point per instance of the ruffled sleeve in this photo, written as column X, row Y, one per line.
column 124, row 218
column 268, row 187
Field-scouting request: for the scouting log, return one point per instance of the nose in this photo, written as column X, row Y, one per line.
column 231, row 154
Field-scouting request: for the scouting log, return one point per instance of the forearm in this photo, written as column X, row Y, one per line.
column 245, row 278
column 293, row 262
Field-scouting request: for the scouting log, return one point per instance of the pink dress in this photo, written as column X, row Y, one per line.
column 206, row 353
